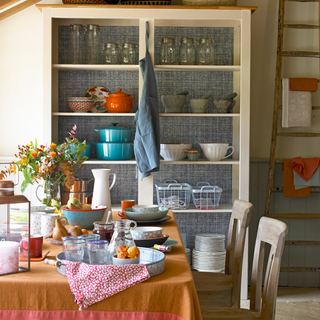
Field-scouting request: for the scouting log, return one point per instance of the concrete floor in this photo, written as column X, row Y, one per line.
column 296, row 304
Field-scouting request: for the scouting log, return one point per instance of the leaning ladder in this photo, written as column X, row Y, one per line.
column 275, row 133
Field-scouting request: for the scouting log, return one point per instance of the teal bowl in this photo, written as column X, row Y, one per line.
column 84, row 218
column 146, row 216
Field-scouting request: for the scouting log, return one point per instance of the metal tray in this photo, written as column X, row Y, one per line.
column 153, row 259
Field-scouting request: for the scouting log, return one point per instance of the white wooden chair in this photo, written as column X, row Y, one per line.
column 223, row 289
column 272, row 232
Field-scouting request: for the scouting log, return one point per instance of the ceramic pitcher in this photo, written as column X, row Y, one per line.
column 101, row 189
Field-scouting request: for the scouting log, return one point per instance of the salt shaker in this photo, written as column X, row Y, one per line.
column 187, row 53
column 168, row 52
column 205, row 51
column 128, row 53
column 111, row 53
column 92, row 40
column 76, row 44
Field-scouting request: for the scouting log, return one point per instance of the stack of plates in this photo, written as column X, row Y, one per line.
column 209, row 254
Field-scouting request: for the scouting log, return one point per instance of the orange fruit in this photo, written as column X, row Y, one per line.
column 84, row 231
column 78, row 227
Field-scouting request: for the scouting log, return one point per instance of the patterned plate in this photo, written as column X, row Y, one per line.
column 53, row 241
column 97, row 93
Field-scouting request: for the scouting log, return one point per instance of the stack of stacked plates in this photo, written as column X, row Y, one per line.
column 209, row 253
column 188, row 253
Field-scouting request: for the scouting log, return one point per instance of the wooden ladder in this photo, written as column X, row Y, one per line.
column 275, row 133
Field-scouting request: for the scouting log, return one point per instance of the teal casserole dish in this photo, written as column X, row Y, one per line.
column 114, row 150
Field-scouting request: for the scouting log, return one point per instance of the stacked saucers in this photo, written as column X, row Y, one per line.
column 209, row 253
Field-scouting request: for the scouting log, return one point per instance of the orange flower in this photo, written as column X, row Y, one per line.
column 34, row 154
column 24, row 160
column 53, row 154
column 53, row 146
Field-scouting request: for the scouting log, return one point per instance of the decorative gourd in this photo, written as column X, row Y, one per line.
column 59, row 231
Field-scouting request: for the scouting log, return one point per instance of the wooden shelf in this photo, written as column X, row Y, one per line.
column 106, row 114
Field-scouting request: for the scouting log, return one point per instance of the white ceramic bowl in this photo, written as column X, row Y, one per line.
column 174, row 151
column 80, row 104
column 146, row 232
column 216, row 151
column 146, row 216
column 145, row 208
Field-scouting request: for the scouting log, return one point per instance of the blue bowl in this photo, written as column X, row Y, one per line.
column 84, row 218
column 114, row 150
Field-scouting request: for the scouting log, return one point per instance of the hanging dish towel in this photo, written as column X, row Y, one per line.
column 93, row 283
column 300, row 183
column 296, row 107
column 147, row 137
column 303, row 84
column 305, row 167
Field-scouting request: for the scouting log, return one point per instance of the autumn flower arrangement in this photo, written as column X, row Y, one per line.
column 55, row 164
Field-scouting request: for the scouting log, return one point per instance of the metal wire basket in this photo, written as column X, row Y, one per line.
column 173, row 195
column 206, row 197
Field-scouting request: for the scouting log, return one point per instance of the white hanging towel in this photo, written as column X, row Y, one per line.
column 296, row 107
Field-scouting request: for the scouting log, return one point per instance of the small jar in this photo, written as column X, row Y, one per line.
column 76, row 44
column 111, row 53
column 205, row 51
column 168, row 51
column 193, row 155
column 93, row 47
column 128, row 53
column 187, row 53
column 105, row 230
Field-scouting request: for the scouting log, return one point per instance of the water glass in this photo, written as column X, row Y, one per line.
column 88, row 237
column 74, row 249
column 68, row 238
column 97, row 250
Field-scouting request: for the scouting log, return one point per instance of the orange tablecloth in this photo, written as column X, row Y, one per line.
column 41, row 292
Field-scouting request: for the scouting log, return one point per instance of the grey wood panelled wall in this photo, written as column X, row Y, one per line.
column 293, row 256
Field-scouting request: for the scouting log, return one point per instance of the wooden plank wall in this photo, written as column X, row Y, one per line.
column 293, row 256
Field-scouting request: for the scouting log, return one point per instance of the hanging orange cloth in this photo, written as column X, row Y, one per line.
column 288, row 186
column 303, row 84
column 305, row 167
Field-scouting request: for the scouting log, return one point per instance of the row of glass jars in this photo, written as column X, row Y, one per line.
column 85, row 47
column 187, row 51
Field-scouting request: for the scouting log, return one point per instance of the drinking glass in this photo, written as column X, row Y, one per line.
column 68, row 238
column 88, row 237
column 74, row 249
column 97, row 250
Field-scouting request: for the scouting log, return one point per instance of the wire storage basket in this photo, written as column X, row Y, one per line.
column 173, row 195
column 209, row 2
column 206, row 197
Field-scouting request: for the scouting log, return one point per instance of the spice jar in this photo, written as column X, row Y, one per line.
column 105, row 230
column 205, row 51
column 76, row 44
column 110, row 53
column 187, row 53
column 128, row 53
column 168, row 51
column 93, row 47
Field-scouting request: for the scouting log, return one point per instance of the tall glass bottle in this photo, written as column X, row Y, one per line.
column 187, row 53
column 168, row 51
column 205, row 51
column 76, row 44
column 93, row 47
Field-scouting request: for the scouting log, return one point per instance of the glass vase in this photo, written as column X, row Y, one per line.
column 51, row 194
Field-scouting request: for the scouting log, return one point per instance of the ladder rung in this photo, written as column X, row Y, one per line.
column 299, row 269
column 302, row 243
column 301, row 54
column 298, row 134
column 301, row 26
column 294, row 215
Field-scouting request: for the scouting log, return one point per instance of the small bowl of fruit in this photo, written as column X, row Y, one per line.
column 82, row 215
column 126, row 255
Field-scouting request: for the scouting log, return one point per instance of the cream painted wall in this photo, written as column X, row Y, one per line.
column 21, row 76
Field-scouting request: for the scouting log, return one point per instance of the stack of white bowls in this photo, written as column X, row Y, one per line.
column 209, row 253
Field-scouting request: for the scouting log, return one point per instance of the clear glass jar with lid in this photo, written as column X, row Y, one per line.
column 187, row 53
column 128, row 53
column 93, row 46
column 110, row 53
column 205, row 51
column 168, row 51
column 76, row 44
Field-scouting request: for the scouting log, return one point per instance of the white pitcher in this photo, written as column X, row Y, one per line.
column 101, row 189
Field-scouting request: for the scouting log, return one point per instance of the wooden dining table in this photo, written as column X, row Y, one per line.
column 43, row 293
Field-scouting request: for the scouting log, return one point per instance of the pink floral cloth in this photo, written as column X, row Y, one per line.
column 93, row 283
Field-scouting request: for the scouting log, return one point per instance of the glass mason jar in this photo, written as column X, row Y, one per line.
column 128, row 53
column 51, row 194
column 93, row 47
column 103, row 229
column 168, row 51
column 187, row 53
column 205, row 51
column 110, row 53
column 76, row 44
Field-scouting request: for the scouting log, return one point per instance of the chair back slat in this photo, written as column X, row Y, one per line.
column 272, row 232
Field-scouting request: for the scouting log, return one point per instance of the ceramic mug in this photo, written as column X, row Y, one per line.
column 36, row 242
column 125, row 204
column 48, row 222
column 35, row 222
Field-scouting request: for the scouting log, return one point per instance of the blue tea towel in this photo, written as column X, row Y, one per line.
column 147, row 136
